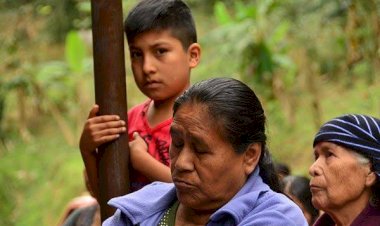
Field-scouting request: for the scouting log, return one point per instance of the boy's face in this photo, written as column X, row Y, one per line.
column 161, row 67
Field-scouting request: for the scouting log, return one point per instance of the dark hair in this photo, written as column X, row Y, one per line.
column 282, row 168
column 298, row 186
column 157, row 15
column 375, row 199
column 239, row 115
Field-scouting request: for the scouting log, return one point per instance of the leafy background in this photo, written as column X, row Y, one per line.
column 307, row 60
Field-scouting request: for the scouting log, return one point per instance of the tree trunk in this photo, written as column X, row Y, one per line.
column 110, row 95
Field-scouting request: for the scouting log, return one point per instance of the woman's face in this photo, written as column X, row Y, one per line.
column 206, row 170
column 338, row 179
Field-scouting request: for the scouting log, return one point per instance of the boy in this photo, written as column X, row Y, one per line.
column 163, row 49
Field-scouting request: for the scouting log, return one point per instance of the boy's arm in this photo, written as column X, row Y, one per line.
column 143, row 162
column 97, row 130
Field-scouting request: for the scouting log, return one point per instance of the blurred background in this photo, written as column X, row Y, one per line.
column 307, row 60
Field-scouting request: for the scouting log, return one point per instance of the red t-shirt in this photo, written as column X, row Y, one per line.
column 158, row 140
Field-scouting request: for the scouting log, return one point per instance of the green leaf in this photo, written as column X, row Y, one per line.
column 264, row 57
column 50, row 72
column 245, row 11
column 75, row 51
column 221, row 13
column 84, row 7
column 280, row 32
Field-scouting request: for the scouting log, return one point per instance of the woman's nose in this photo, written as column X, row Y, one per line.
column 313, row 170
column 184, row 161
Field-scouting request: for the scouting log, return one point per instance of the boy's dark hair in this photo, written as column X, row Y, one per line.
column 157, row 15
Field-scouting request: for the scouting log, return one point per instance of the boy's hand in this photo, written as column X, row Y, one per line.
column 146, row 164
column 138, row 149
column 99, row 130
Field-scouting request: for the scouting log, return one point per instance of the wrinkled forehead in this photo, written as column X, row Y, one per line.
column 193, row 121
column 193, row 114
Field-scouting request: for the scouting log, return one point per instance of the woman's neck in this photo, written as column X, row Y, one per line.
column 346, row 215
column 187, row 216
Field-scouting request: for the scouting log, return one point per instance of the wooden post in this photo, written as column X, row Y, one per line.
column 110, row 95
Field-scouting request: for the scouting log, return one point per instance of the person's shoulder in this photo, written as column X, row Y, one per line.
column 118, row 219
column 138, row 112
column 143, row 204
column 156, row 187
column 276, row 201
column 139, row 107
column 277, row 209
column 149, row 194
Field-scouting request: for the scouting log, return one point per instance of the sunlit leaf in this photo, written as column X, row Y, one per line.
column 221, row 13
column 75, row 51
column 280, row 32
column 244, row 11
column 84, row 6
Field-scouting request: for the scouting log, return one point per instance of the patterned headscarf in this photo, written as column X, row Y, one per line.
column 360, row 133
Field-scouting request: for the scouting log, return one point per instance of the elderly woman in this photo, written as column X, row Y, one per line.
column 222, row 172
column 346, row 171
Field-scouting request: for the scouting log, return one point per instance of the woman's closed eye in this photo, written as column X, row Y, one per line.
column 177, row 144
column 199, row 150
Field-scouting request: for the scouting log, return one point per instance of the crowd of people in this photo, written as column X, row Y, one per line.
column 198, row 152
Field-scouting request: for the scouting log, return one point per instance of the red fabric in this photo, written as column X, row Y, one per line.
column 158, row 140
column 370, row 216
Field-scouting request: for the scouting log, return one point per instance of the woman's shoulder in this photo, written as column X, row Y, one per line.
column 369, row 216
column 151, row 193
column 257, row 204
column 272, row 208
column 264, row 207
column 273, row 202
column 279, row 200
column 144, row 203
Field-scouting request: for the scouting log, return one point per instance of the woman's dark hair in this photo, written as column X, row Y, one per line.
column 282, row 168
column 239, row 114
column 375, row 199
column 298, row 187
column 159, row 15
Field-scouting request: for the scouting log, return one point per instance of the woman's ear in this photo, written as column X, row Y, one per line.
column 252, row 157
column 371, row 179
column 194, row 51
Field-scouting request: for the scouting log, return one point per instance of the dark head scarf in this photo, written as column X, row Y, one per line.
column 360, row 133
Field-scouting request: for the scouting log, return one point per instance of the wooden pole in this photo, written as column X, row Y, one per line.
column 110, row 95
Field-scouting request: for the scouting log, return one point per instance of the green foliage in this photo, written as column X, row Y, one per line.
column 221, row 14
column 259, row 42
column 62, row 18
column 295, row 54
column 33, row 175
column 75, row 52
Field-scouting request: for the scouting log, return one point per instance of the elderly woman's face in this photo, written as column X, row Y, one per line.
column 206, row 170
column 337, row 177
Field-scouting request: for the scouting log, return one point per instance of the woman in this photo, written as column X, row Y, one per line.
column 297, row 188
column 222, row 172
column 346, row 171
